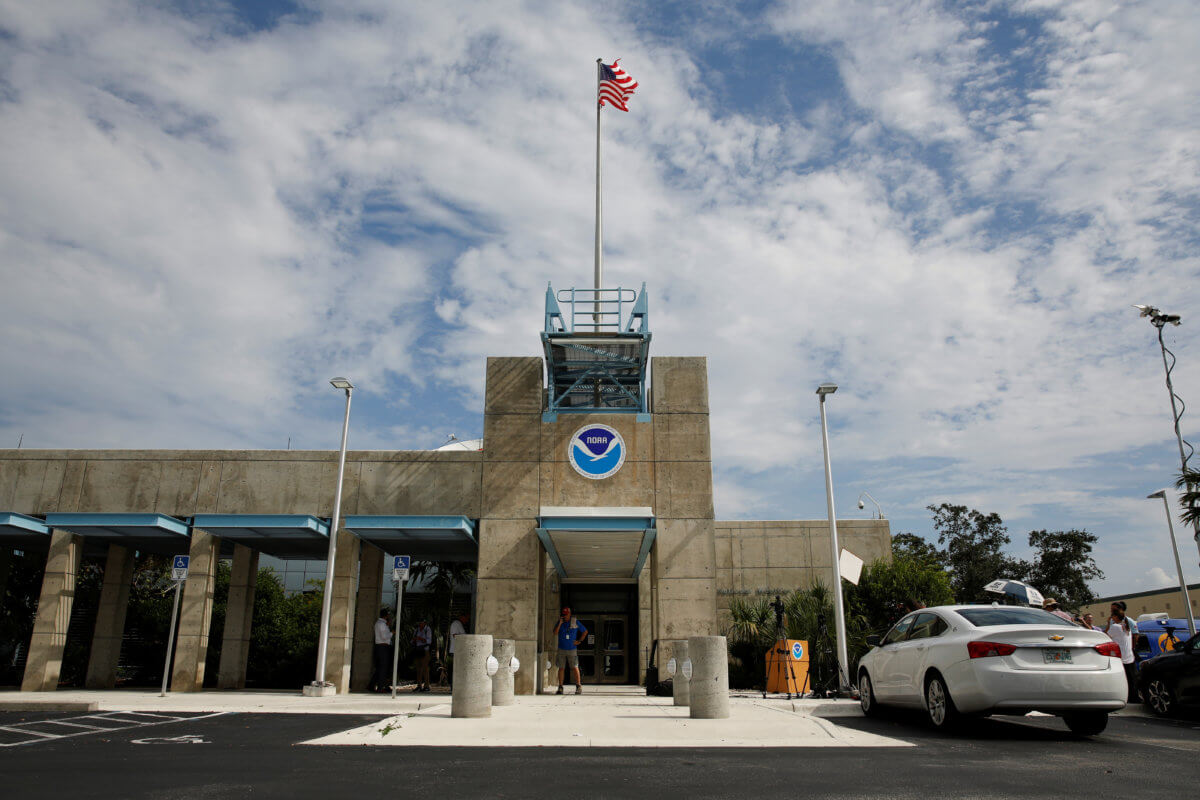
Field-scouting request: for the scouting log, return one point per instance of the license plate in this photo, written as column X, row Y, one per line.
column 1056, row 656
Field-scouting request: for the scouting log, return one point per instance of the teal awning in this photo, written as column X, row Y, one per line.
column 597, row 545
column 286, row 536
column 426, row 538
column 154, row 533
column 25, row 533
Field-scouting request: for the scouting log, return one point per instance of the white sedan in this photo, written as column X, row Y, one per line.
column 955, row 661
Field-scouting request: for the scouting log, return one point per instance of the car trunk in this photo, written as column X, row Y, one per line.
column 1076, row 650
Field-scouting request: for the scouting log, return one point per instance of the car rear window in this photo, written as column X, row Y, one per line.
column 988, row 617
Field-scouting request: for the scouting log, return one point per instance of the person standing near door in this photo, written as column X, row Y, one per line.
column 383, row 651
column 422, row 641
column 569, row 633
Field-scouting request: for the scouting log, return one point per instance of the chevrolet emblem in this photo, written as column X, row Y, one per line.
column 1055, row 638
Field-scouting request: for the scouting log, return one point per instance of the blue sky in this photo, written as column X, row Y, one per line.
column 207, row 209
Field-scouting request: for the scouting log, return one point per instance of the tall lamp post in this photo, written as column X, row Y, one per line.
column 1160, row 319
column 838, row 610
column 1187, row 602
column 319, row 687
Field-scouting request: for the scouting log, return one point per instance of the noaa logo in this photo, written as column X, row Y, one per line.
column 797, row 651
column 596, row 451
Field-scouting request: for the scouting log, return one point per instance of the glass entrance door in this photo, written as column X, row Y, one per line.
column 604, row 656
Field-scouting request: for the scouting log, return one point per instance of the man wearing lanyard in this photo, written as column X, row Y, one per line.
column 570, row 632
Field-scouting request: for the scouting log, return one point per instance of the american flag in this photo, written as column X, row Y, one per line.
column 616, row 86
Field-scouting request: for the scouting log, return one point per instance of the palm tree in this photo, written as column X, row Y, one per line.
column 442, row 579
column 1189, row 498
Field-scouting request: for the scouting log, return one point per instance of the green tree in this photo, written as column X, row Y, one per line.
column 442, row 580
column 918, row 549
column 974, row 544
column 887, row 588
column 1063, row 565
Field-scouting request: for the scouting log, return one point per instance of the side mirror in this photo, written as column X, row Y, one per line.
column 874, row 639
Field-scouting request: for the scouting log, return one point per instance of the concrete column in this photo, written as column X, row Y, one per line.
column 239, row 619
column 472, row 693
column 340, row 647
column 44, row 664
column 709, row 689
column 195, row 613
column 366, row 611
column 680, row 682
column 502, row 682
column 110, row 619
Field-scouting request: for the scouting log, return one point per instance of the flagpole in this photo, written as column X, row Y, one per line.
column 599, row 270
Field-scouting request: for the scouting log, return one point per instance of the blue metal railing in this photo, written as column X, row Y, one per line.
column 618, row 310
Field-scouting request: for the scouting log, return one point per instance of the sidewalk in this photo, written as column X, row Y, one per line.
column 619, row 721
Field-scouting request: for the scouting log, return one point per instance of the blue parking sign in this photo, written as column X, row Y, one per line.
column 181, row 562
column 400, row 569
column 179, row 568
column 401, row 562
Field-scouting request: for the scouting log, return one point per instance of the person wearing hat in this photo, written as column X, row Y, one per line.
column 1051, row 605
column 422, row 642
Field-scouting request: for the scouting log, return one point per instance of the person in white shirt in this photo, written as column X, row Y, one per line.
column 383, row 649
column 1122, row 630
column 457, row 628
column 422, row 641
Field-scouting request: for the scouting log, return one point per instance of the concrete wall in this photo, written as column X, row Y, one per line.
column 769, row 558
column 186, row 482
column 1163, row 600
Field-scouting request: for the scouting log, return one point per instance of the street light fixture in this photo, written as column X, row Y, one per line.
column 1187, row 602
column 823, row 391
column 320, row 687
column 878, row 507
column 1159, row 320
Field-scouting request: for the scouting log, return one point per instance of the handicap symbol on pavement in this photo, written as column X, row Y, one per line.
column 187, row 738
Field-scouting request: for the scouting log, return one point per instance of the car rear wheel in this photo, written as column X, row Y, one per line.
column 939, row 705
column 1158, row 696
column 1087, row 723
column 866, row 696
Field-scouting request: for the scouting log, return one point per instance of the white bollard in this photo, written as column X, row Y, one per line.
column 472, row 692
column 708, row 691
column 679, row 682
column 505, row 650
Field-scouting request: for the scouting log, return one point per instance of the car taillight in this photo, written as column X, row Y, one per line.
column 1110, row 649
column 989, row 649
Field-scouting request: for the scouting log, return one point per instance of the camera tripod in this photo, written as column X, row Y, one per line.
column 829, row 685
column 774, row 656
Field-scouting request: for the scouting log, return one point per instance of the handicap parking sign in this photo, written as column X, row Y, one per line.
column 400, row 566
column 179, row 568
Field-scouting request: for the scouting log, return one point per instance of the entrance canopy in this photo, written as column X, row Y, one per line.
column 286, row 536
column 430, row 538
column 22, row 532
column 151, row 533
column 597, row 545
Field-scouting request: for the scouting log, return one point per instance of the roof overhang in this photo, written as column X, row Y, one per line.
column 22, row 532
column 286, row 536
column 597, row 544
column 425, row 538
column 151, row 533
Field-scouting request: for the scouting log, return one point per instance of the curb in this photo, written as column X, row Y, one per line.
column 48, row 705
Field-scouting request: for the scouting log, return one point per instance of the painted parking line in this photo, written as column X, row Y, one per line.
column 34, row 732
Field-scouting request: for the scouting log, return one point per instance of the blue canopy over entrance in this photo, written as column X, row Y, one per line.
column 286, row 536
column 426, row 538
column 597, row 545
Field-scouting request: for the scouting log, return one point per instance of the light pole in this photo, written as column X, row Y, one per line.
column 319, row 687
column 838, row 611
column 878, row 507
column 1187, row 602
column 1160, row 319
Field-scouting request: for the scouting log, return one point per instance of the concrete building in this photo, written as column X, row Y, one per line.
column 1155, row 601
column 593, row 488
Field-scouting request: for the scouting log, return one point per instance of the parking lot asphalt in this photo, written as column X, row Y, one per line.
column 206, row 755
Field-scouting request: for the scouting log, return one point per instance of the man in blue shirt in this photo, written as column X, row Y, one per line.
column 569, row 633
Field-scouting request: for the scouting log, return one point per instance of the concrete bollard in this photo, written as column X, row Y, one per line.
column 708, row 691
column 679, row 681
column 502, row 682
column 472, row 692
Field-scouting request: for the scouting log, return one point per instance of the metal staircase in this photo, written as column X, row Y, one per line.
column 597, row 345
